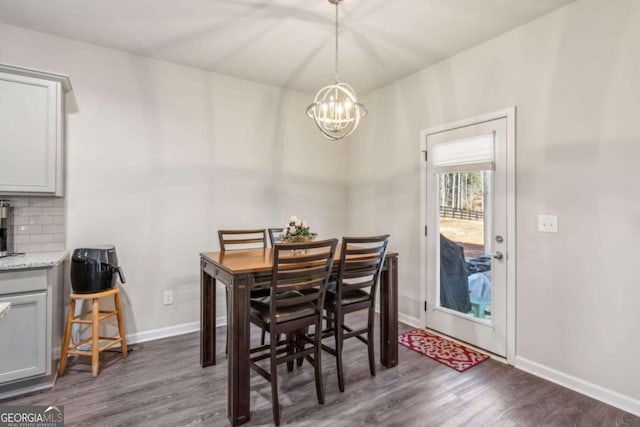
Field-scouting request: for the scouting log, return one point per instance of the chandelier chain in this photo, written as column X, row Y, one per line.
column 336, row 76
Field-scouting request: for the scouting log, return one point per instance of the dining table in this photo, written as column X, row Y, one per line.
column 245, row 269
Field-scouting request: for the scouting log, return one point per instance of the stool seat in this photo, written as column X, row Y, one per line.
column 100, row 294
column 93, row 317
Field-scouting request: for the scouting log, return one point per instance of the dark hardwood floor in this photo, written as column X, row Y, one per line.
column 162, row 384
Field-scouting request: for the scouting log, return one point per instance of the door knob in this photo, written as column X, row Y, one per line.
column 498, row 255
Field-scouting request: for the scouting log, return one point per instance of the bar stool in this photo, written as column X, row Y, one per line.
column 95, row 315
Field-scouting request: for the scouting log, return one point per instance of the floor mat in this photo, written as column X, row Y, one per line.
column 447, row 352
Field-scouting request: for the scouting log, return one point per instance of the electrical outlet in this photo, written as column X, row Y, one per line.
column 548, row 223
column 168, row 297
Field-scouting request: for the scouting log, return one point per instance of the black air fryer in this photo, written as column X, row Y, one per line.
column 94, row 269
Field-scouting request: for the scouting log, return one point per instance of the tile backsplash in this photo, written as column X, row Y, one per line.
column 38, row 223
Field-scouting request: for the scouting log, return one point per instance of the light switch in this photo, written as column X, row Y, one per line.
column 548, row 223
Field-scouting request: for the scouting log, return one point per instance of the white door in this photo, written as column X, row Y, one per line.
column 469, row 223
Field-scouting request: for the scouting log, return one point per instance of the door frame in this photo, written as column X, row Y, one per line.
column 510, row 115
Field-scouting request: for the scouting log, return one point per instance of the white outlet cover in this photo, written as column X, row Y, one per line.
column 548, row 223
column 168, row 297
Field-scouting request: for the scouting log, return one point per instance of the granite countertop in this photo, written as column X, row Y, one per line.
column 32, row 260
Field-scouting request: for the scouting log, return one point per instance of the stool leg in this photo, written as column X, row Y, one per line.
column 95, row 350
column 67, row 336
column 123, row 334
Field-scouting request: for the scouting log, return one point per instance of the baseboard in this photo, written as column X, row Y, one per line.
column 170, row 331
column 602, row 394
column 9, row 394
column 409, row 320
column 166, row 332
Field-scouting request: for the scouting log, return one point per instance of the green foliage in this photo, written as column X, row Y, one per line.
column 297, row 230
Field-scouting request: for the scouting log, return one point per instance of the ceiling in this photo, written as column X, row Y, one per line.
column 287, row 43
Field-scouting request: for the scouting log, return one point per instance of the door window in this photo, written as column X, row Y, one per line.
column 464, row 200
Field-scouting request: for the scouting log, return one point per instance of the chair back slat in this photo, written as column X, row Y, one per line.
column 242, row 239
column 299, row 260
column 364, row 251
column 360, row 265
column 363, row 264
column 308, row 274
column 312, row 273
column 361, row 272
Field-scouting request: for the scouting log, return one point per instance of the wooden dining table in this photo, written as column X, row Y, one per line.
column 242, row 270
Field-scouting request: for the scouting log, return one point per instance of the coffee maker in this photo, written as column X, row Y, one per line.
column 6, row 229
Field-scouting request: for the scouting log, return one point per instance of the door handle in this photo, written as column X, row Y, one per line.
column 498, row 255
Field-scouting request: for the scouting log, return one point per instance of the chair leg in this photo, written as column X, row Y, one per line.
column 95, row 348
column 300, row 344
column 121, row 329
column 291, row 342
column 318, row 362
column 274, row 384
column 372, row 361
column 67, row 336
column 338, row 321
column 262, row 338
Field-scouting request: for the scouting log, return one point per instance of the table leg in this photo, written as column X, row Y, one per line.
column 389, row 313
column 207, row 319
column 239, row 410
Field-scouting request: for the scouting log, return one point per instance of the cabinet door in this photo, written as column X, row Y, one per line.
column 30, row 131
column 23, row 337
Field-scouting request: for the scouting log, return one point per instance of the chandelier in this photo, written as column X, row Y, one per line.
column 335, row 109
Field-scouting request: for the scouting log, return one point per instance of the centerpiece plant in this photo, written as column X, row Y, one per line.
column 297, row 231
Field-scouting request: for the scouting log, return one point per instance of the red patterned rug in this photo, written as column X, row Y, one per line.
column 442, row 350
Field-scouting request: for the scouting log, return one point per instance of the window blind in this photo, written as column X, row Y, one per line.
column 475, row 153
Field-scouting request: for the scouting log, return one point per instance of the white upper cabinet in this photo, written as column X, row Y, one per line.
column 31, row 131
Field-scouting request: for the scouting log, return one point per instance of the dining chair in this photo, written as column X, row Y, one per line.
column 294, row 304
column 354, row 289
column 274, row 235
column 244, row 239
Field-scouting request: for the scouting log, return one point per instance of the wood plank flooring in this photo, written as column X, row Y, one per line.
column 162, row 384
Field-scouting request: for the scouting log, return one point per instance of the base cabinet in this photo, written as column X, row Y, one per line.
column 31, row 332
column 24, row 330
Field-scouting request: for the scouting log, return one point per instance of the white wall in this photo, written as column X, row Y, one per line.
column 574, row 77
column 160, row 156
